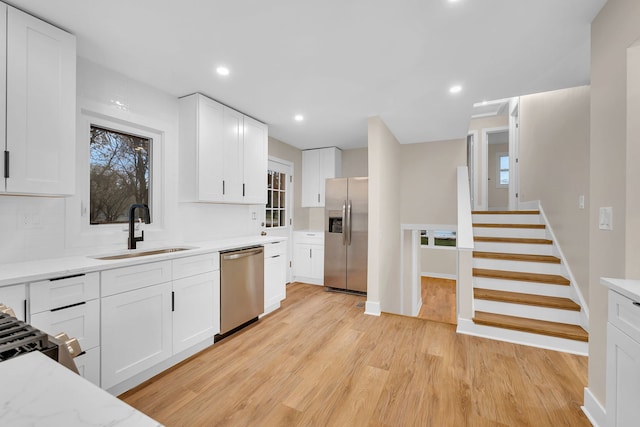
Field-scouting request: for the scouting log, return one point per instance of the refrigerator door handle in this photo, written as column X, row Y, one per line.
column 349, row 223
column 344, row 224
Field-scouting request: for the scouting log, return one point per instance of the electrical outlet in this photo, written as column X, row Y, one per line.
column 29, row 220
column 581, row 202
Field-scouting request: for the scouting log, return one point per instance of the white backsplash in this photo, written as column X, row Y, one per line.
column 34, row 228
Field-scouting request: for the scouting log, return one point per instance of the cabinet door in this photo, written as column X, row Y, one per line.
column 275, row 278
column 15, row 296
column 233, row 152
column 302, row 260
column 255, row 161
column 310, row 178
column 136, row 332
column 196, row 313
column 327, row 168
column 41, row 97
column 623, row 378
column 317, row 262
column 3, row 88
column 88, row 365
column 210, row 150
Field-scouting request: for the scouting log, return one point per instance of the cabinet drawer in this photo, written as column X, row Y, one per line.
column 310, row 237
column 80, row 321
column 275, row 248
column 89, row 365
column 624, row 314
column 55, row 293
column 193, row 265
column 134, row 277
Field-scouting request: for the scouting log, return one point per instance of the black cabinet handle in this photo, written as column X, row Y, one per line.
column 66, row 277
column 637, row 304
column 173, row 301
column 68, row 306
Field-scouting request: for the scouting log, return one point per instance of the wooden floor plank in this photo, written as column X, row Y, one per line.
column 438, row 300
column 356, row 369
column 525, row 299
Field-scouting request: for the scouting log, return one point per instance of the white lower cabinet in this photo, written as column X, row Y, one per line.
column 623, row 361
column 308, row 257
column 275, row 275
column 194, row 315
column 80, row 321
column 136, row 332
column 15, row 296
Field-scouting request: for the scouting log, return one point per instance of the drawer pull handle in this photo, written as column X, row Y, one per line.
column 67, row 277
column 636, row 303
column 68, row 306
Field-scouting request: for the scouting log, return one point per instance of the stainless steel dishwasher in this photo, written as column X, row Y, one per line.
column 241, row 288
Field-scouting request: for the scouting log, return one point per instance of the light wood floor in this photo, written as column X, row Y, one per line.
column 319, row 361
column 438, row 300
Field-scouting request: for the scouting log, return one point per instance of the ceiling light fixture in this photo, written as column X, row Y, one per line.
column 298, row 117
column 223, row 71
column 455, row 89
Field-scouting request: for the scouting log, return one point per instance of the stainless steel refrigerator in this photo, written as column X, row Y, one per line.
column 345, row 233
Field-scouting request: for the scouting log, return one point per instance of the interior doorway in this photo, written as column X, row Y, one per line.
column 498, row 170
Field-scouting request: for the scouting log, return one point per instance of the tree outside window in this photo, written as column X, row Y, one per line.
column 119, row 174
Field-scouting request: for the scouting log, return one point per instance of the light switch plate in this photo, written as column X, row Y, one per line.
column 606, row 218
column 581, row 202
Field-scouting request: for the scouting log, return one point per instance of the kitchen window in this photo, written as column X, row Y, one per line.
column 276, row 209
column 438, row 238
column 120, row 174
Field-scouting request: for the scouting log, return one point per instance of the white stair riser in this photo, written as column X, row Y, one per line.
column 506, row 219
column 528, row 311
column 519, row 266
column 522, row 287
column 529, row 233
column 514, row 248
column 525, row 338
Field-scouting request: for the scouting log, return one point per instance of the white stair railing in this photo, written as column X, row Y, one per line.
column 465, row 247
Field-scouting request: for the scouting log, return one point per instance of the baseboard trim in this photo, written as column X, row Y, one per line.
column 594, row 411
column 439, row 275
column 309, row 280
column 372, row 308
column 467, row 327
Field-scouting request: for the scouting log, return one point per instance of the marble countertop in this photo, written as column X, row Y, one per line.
column 31, row 271
column 37, row 392
column 627, row 287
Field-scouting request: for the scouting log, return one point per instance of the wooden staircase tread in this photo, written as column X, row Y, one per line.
column 542, row 327
column 531, row 212
column 517, row 257
column 490, row 225
column 552, row 279
column 513, row 240
column 525, row 299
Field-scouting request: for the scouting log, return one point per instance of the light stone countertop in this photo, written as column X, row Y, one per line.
column 31, row 271
column 39, row 392
column 627, row 287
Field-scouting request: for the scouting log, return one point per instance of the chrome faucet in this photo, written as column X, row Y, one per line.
column 147, row 220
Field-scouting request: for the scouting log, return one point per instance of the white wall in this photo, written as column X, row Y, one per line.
column 554, row 168
column 438, row 262
column 384, row 219
column 614, row 30
column 60, row 234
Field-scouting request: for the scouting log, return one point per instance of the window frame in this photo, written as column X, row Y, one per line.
column 79, row 230
column 499, row 155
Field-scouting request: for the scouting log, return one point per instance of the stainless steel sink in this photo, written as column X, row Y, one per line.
column 140, row 254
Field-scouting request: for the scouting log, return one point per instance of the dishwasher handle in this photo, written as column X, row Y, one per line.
column 242, row 254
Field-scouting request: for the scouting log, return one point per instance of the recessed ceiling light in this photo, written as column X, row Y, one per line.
column 223, row 71
column 455, row 89
column 298, row 117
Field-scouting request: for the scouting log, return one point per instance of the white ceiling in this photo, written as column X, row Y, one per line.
column 338, row 62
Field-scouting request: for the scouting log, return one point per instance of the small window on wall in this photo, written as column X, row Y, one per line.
column 275, row 215
column 438, row 238
column 502, row 178
column 120, row 171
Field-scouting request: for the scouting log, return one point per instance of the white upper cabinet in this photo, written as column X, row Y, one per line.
column 318, row 166
column 40, row 105
column 223, row 154
column 255, row 155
